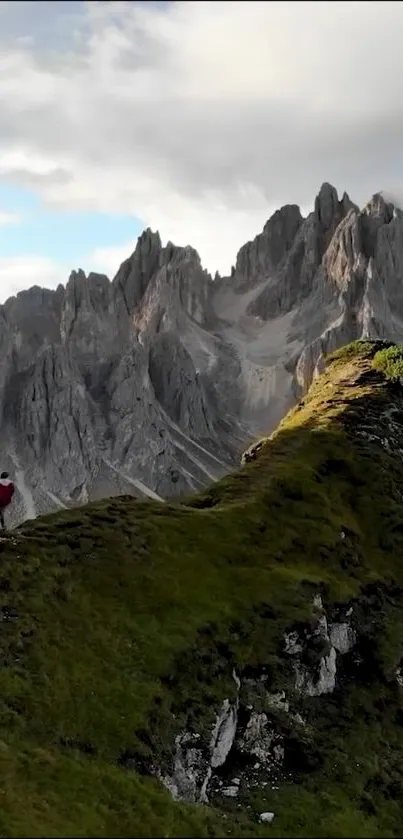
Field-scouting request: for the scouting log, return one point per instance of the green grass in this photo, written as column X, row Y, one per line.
column 390, row 362
column 122, row 622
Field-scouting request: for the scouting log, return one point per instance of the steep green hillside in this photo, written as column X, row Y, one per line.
column 127, row 624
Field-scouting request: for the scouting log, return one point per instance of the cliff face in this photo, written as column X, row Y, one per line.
column 152, row 382
column 99, row 393
column 211, row 667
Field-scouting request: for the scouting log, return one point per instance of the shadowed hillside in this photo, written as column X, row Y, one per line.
column 180, row 669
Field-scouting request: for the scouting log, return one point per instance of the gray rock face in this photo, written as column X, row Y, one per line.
column 194, row 764
column 136, row 272
column 258, row 738
column 268, row 249
column 152, row 383
column 301, row 257
column 223, row 733
column 174, row 379
column 99, row 393
column 250, row 745
column 266, row 817
column 337, row 639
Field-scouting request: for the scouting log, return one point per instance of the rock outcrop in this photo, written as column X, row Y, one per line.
column 249, row 746
column 151, row 383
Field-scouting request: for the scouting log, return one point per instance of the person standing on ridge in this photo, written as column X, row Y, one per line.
column 6, row 493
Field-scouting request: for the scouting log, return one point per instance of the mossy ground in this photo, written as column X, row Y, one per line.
column 390, row 361
column 122, row 621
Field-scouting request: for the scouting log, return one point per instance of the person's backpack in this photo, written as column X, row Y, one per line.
column 6, row 491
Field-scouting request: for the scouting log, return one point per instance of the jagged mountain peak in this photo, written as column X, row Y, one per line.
column 84, row 297
column 175, row 370
column 280, row 231
column 329, row 211
column 177, row 253
column 265, row 252
column 328, row 196
column 77, row 287
column 134, row 274
column 287, row 235
column 347, row 204
column 326, row 204
column 150, row 234
column 148, row 241
column 77, row 275
column 34, row 295
column 379, row 207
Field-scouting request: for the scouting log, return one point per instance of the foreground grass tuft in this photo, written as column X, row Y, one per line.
column 390, row 362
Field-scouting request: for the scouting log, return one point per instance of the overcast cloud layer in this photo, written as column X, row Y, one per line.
column 201, row 118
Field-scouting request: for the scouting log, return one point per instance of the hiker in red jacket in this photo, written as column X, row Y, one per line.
column 6, row 494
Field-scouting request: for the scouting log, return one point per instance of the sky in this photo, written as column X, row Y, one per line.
column 197, row 119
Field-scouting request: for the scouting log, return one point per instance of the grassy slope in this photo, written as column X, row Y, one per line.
column 112, row 613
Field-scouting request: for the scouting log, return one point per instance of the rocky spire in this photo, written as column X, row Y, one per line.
column 135, row 272
column 266, row 251
column 327, row 207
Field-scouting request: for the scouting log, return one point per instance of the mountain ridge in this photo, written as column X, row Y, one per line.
column 157, row 378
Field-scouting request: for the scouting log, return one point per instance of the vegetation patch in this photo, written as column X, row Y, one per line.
column 390, row 362
column 122, row 623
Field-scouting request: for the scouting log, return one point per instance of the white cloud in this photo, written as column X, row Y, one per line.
column 201, row 118
column 9, row 218
column 17, row 273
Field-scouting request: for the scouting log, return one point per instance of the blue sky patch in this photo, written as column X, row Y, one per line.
column 62, row 235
